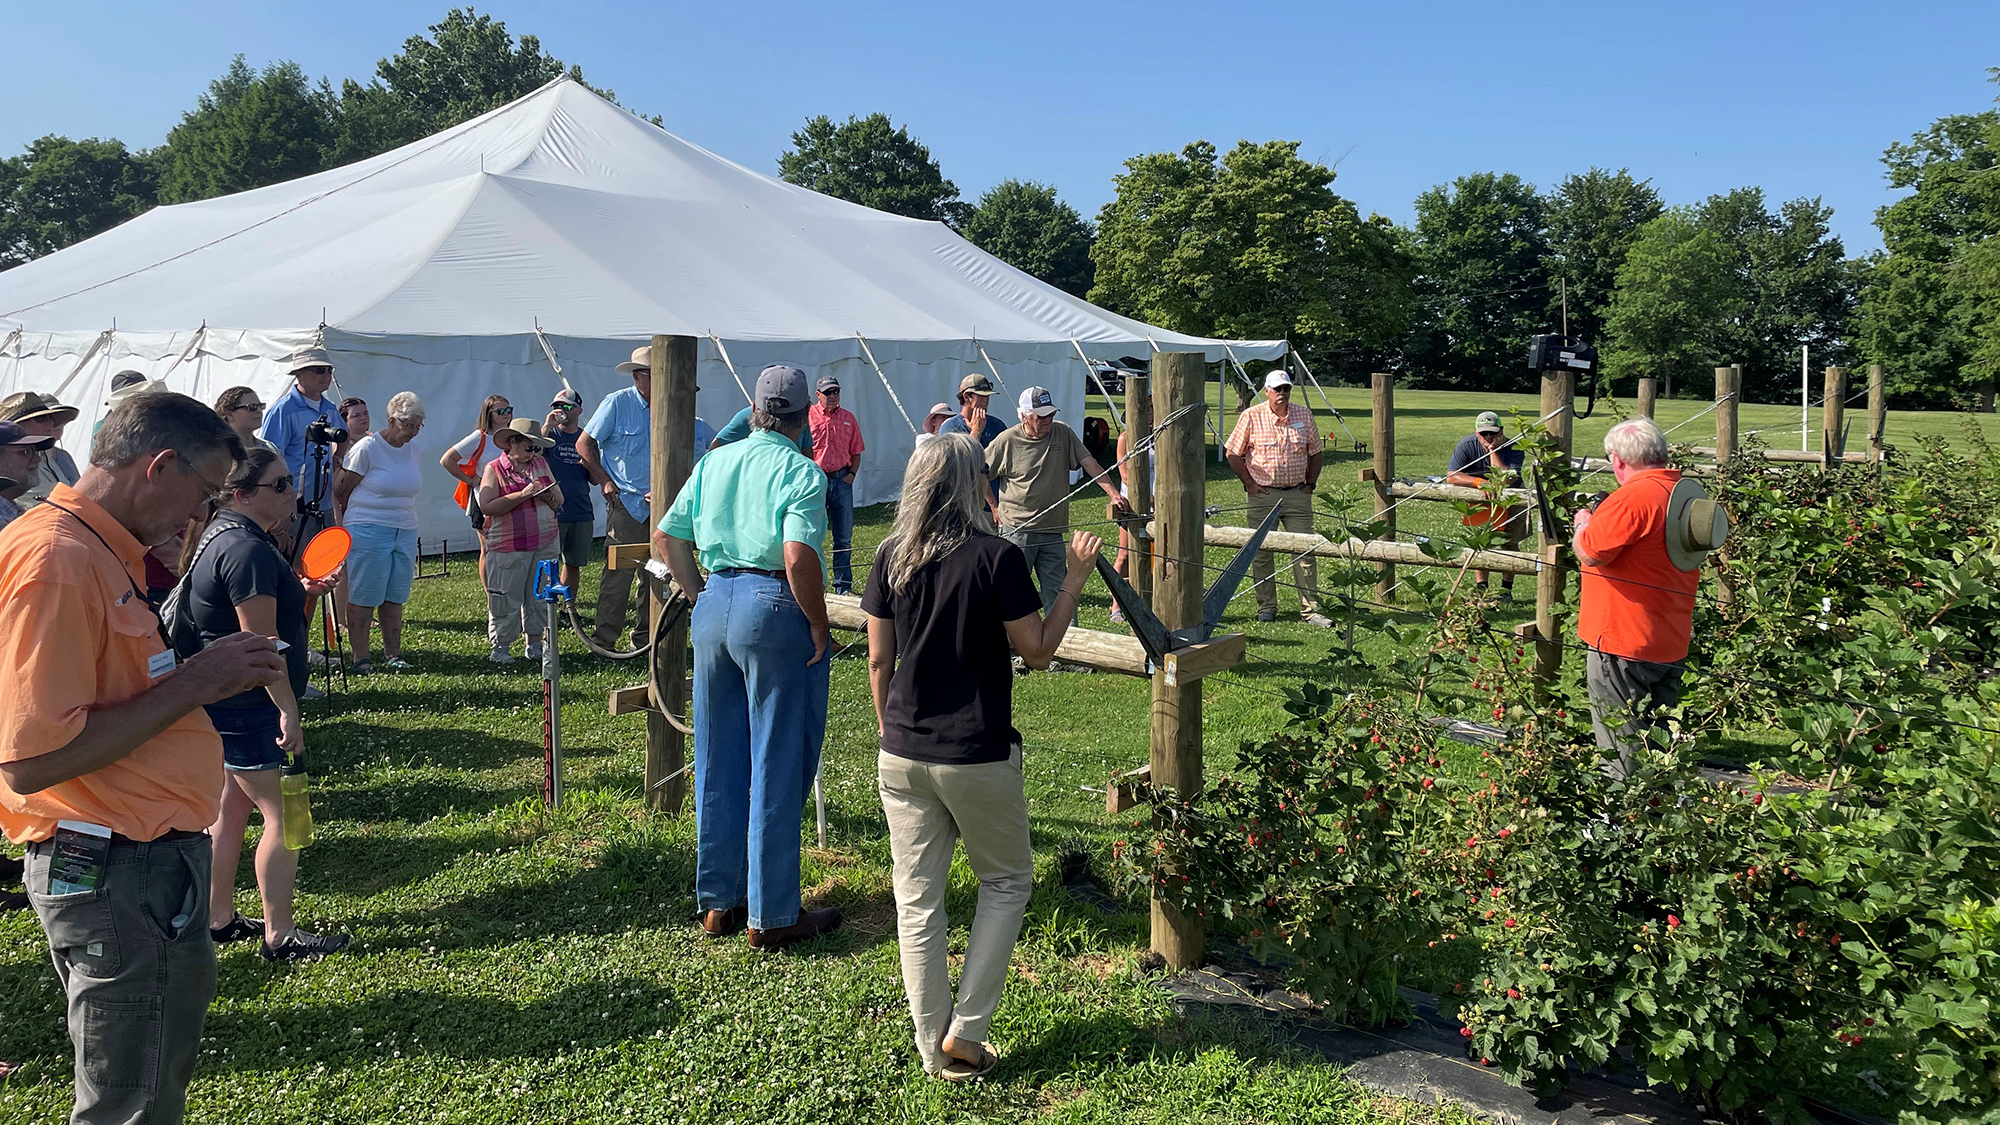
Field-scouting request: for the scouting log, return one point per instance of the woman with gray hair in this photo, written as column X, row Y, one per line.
column 945, row 600
column 377, row 488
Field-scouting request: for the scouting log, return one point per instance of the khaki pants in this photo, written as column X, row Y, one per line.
column 1296, row 507
column 510, row 605
column 138, row 970
column 928, row 807
column 614, row 596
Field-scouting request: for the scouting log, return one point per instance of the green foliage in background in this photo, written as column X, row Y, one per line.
column 874, row 162
column 1030, row 228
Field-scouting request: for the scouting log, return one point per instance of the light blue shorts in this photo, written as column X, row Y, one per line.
column 380, row 564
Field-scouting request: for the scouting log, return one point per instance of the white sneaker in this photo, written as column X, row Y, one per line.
column 501, row 656
column 1319, row 620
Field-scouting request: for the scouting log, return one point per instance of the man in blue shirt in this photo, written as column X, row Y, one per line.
column 617, row 450
column 973, row 392
column 1473, row 462
column 576, row 518
column 286, row 422
column 756, row 510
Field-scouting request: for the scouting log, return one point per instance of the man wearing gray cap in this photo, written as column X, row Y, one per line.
column 1476, row 460
column 42, row 416
column 20, row 458
column 756, row 511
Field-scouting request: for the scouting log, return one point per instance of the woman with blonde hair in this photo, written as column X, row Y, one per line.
column 945, row 601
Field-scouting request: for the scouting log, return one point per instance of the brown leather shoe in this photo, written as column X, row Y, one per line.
column 811, row 924
column 723, row 923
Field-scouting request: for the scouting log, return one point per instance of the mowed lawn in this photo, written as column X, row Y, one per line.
column 517, row 965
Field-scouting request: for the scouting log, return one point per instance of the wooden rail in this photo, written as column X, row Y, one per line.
column 1112, row 652
column 1367, row 550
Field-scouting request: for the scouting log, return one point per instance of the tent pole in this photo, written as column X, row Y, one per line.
column 870, row 353
column 990, row 367
column 1091, row 374
column 549, row 350
column 724, row 353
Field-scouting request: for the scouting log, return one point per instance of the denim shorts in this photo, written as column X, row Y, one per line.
column 249, row 737
column 380, row 564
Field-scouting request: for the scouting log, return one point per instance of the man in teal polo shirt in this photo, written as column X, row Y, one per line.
column 756, row 510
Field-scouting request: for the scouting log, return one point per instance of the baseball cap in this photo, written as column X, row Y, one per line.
column 1277, row 378
column 11, row 433
column 567, row 397
column 781, row 389
column 827, row 383
column 938, row 408
column 23, row 405
column 308, row 357
column 1037, row 401
column 976, row 383
column 1487, row 423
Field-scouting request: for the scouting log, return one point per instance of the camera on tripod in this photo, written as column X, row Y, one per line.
column 323, row 432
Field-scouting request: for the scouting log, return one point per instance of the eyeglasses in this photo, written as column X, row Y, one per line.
column 215, row 491
column 280, row 486
column 249, row 406
column 313, row 371
column 646, row 371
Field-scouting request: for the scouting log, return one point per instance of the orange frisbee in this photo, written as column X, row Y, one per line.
column 326, row 552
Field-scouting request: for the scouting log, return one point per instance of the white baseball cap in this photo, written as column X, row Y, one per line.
column 1037, row 401
column 1277, row 378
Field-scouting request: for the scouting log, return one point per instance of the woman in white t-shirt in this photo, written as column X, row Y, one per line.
column 377, row 487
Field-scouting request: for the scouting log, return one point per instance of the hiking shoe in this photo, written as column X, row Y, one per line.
column 303, row 946
column 1267, row 615
column 811, row 924
column 311, row 692
column 239, row 928
column 535, row 653
column 501, row 656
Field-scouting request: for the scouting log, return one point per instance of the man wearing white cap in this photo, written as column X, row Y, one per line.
column 1275, row 452
column 287, row 420
column 1641, row 552
column 617, row 450
column 1029, row 465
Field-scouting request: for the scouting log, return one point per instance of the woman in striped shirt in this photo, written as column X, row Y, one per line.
column 519, row 496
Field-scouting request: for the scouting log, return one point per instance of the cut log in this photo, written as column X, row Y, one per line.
column 1367, row 550
column 1111, row 652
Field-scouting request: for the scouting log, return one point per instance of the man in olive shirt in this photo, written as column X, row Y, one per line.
column 1029, row 465
column 756, row 510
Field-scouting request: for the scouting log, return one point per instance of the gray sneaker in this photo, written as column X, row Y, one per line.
column 1319, row 620
column 501, row 656
column 312, row 692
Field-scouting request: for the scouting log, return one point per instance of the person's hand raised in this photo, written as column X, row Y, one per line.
column 233, row 665
column 1083, row 548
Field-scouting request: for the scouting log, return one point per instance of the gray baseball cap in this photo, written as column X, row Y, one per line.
column 1487, row 423
column 782, row 390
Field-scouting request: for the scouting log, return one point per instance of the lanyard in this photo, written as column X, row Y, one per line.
column 136, row 591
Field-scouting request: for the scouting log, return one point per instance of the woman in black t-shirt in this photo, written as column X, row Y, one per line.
column 945, row 600
column 238, row 582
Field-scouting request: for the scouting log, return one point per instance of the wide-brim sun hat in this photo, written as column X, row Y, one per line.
column 1696, row 525
column 23, row 406
column 307, row 357
column 529, row 428
column 642, row 356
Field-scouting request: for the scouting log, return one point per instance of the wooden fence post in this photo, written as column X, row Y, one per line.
column 1878, row 413
column 1832, row 417
column 1649, row 390
column 1725, row 413
column 673, row 363
column 1177, row 589
column 1559, row 414
column 1138, row 426
column 1383, row 416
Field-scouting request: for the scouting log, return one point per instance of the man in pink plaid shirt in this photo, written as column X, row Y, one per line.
column 1275, row 451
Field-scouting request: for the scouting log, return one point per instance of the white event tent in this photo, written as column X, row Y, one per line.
column 558, row 231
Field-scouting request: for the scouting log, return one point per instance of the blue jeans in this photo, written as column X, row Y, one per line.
column 840, row 521
column 760, row 719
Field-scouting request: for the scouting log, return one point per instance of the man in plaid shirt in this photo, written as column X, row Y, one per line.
column 1275, row 451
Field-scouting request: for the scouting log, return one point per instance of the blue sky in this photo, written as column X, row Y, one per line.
column 1797, row 98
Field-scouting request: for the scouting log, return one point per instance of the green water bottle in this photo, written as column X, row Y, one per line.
column 296, row 810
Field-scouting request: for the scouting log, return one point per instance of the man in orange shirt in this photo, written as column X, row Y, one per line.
column 109, row 770
column 1636, row 606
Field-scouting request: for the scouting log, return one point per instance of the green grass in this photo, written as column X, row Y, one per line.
column 517, row 965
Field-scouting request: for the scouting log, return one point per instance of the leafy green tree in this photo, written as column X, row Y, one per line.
column 1922, row 314
column 1593, row 219
column 871, row 161
column 1254, row 245
column 1794, row 286
column 1483, row 283
column 1673, row 296
column 250, row 129
column 1025, row 225
column 61, row 191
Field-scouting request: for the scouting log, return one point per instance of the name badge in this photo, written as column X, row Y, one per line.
column 160, row 663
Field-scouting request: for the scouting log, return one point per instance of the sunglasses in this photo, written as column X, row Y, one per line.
column 280, row 486
column 250, row 406
column 503, row 410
